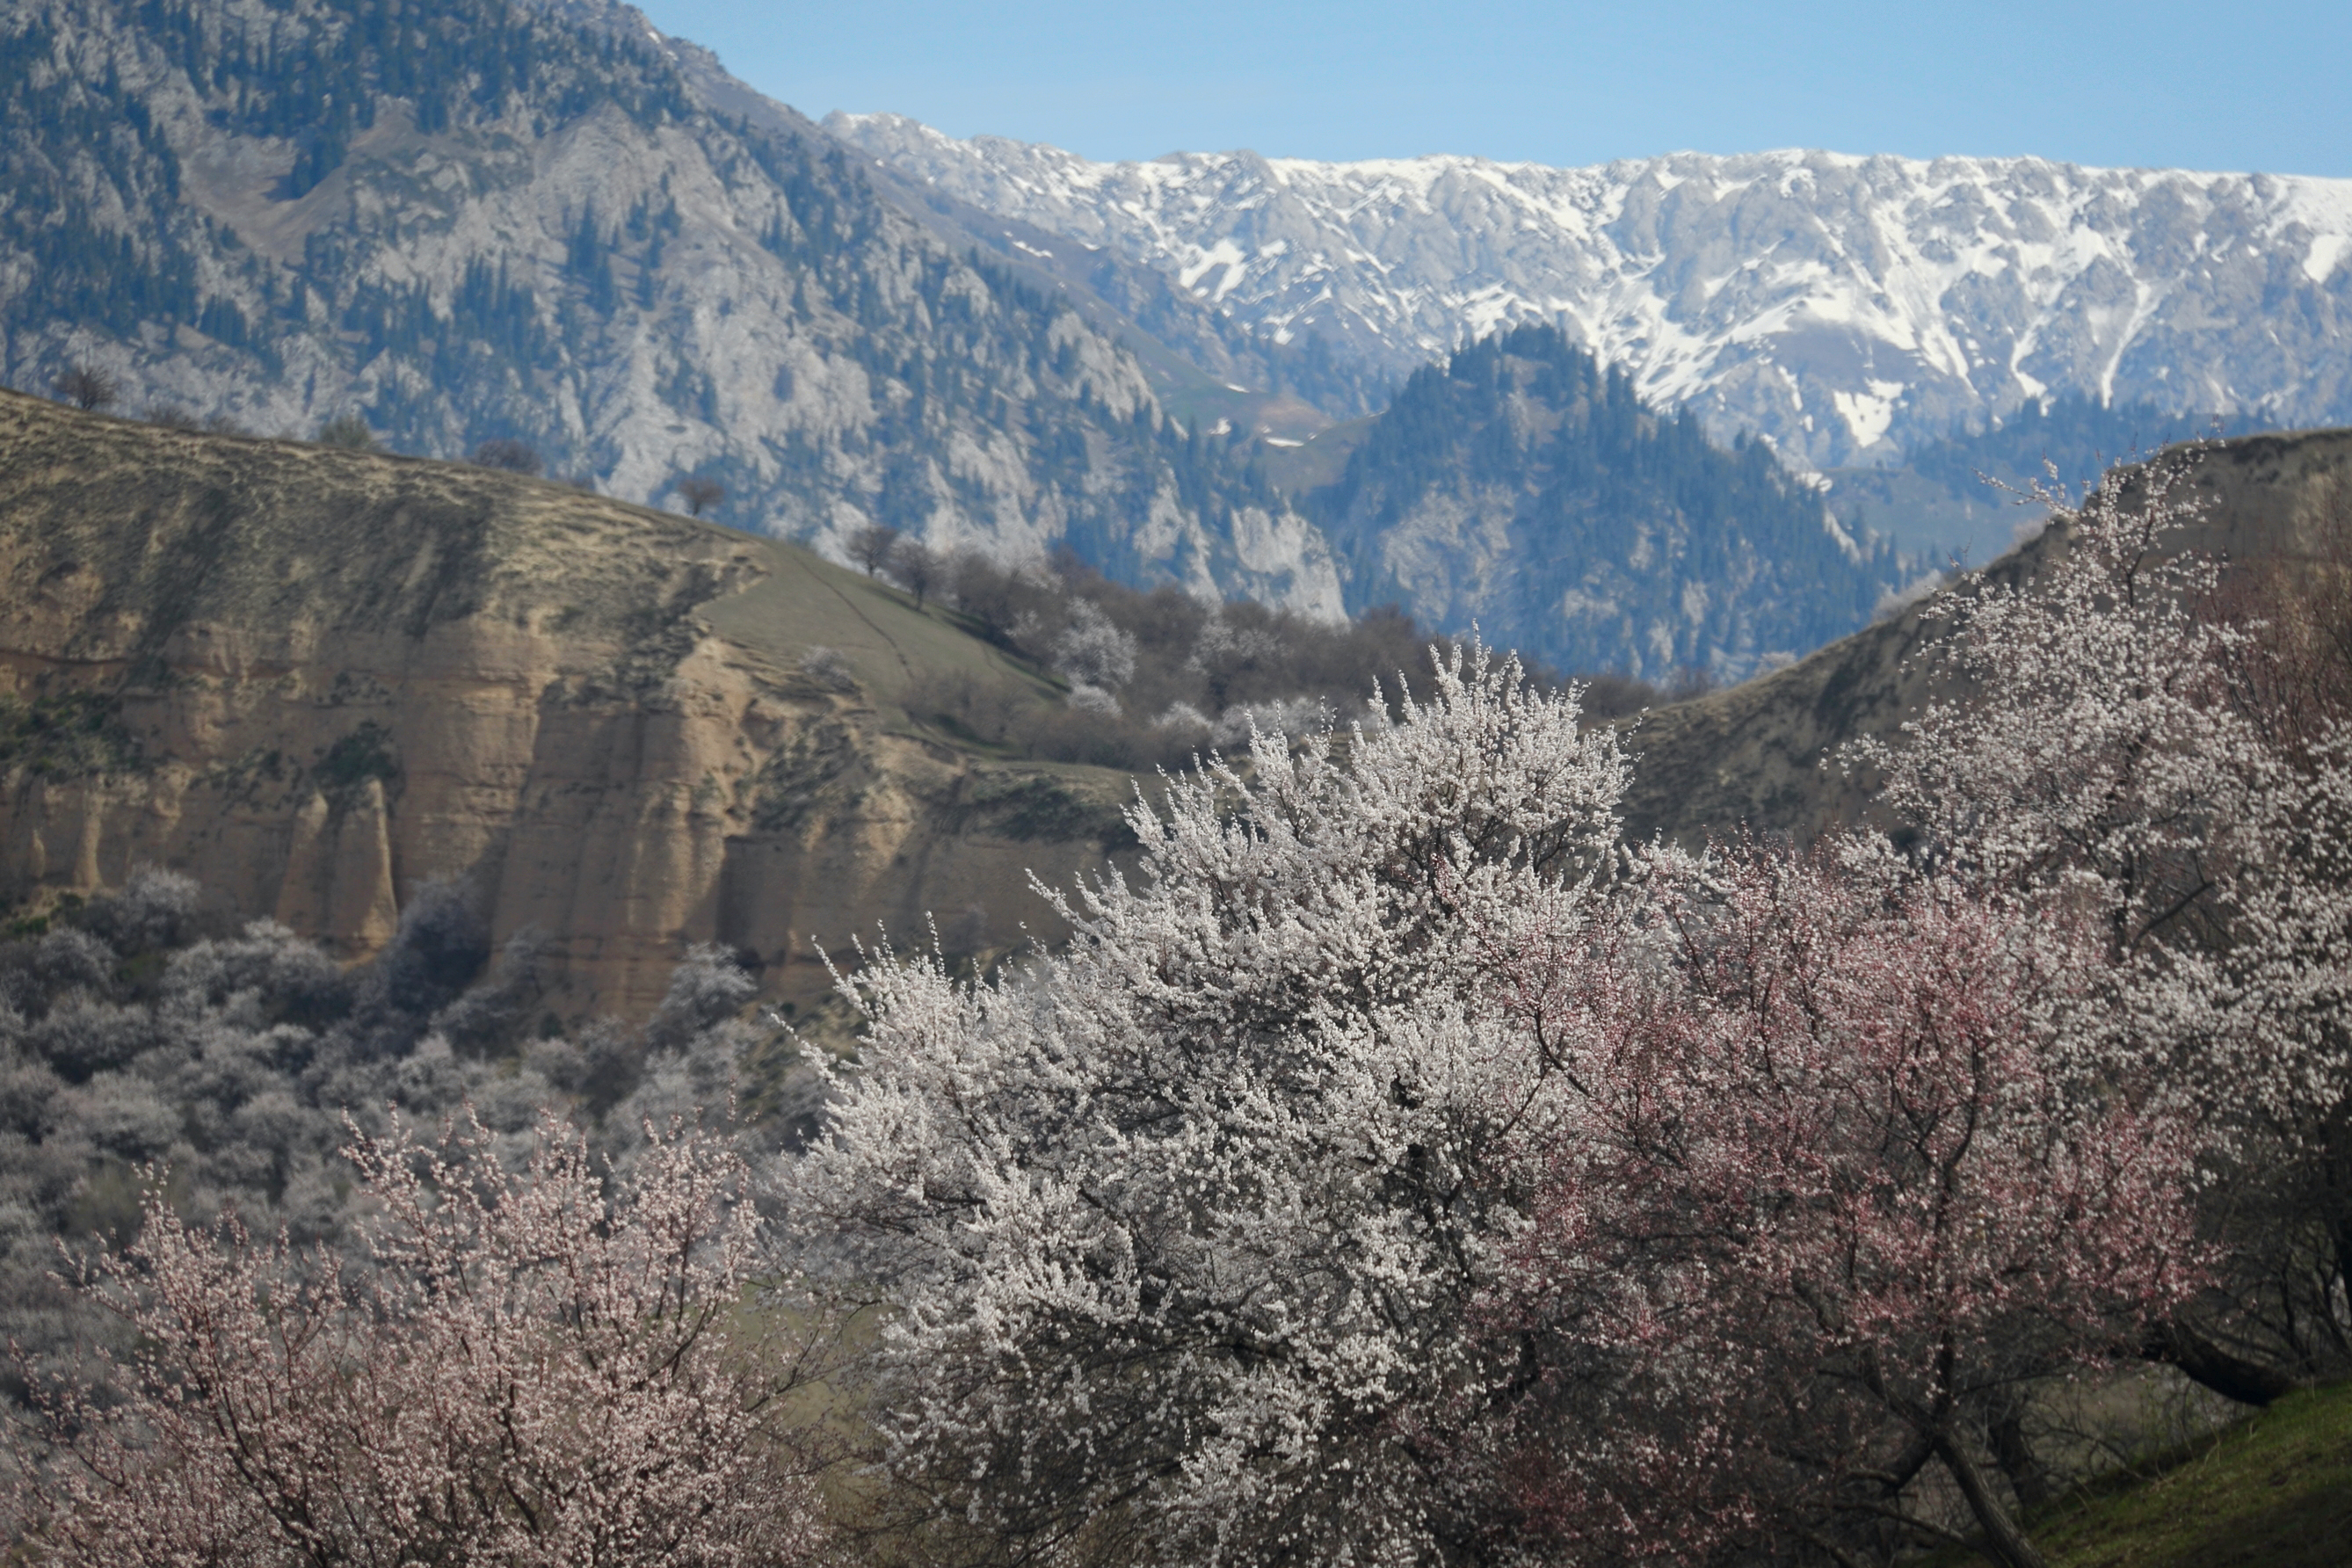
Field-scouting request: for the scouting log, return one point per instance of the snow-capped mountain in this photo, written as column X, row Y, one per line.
column 1841, row 306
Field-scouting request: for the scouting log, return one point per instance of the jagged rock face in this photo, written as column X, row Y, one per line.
column 319, row 679
column 464, row 220
column 1522, row 489
column 1841, row 306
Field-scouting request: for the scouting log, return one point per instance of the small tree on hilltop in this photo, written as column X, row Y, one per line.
column 87, row 386
column 1183, row 1224
column 699, row 492
column 871, row 546
column 1094, row 650
column 525, row 1375
column 348, row 432
column 508, row 457
column 917, row 568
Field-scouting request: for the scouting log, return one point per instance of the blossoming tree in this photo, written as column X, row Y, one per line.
column 522, row 1372
column 1831, row 1181
column 1180, row 1227
column 2123, row 747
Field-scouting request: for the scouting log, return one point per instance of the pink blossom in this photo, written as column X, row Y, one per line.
column 523, row 1373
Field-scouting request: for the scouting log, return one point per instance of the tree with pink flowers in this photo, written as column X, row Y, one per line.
column 519, row 1370
column 2133, row 737
column 1835, row 1179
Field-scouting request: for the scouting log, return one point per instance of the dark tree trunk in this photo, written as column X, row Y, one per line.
column 2005, row 1434
column 2004, row 1541
column 2203, row 1362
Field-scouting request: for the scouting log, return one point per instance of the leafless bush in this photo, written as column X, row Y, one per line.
column 89, row 387
column 155, row 909
column 826, row 667
column 871, row 546
column 709, row 986
column 348, row 431
column 699, row 492
column 917, row 567
column 508, row 457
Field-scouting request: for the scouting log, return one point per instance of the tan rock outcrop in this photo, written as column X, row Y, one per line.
column 318, row 680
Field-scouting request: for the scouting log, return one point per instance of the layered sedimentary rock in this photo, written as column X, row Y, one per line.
column 319, row 679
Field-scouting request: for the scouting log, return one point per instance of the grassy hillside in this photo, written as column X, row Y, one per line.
column 2273, row 1491
column 148, row 532
column 1753, row 753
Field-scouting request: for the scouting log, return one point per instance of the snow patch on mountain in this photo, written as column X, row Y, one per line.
column 1840, row 305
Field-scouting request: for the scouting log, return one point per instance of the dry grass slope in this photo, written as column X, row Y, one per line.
column 1753, row 753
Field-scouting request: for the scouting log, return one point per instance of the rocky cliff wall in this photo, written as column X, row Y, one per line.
column 1848, row 308
column 319, row 679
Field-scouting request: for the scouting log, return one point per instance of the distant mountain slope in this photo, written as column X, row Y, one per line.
column 1523, row 489
column 1752, row 755
column 470, row 219
column 1845, row 307
column 1960, row 495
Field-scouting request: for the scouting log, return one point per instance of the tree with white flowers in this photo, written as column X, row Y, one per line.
column 1179, row 1229
column 1396, row 1168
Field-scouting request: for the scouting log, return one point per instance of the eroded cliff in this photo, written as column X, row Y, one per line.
column 319, row 679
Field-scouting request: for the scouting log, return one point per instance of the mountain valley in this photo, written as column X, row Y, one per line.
column 467, row 221
column 551, row 237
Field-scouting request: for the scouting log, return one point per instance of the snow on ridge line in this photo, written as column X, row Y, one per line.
column 1935, row 170
column 1888, row 297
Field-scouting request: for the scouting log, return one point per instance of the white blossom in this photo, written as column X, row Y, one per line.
column 1178, row 1227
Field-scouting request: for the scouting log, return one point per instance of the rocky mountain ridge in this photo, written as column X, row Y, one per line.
column 1843, row 306
column 548, row 227
column 1522, row 488
column 469, row 220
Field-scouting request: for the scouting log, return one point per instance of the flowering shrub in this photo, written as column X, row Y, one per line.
column 2124, row 748
column 521, row 1374
column 1830, row 1184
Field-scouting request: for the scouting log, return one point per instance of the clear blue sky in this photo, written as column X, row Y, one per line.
column 2264, row 85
